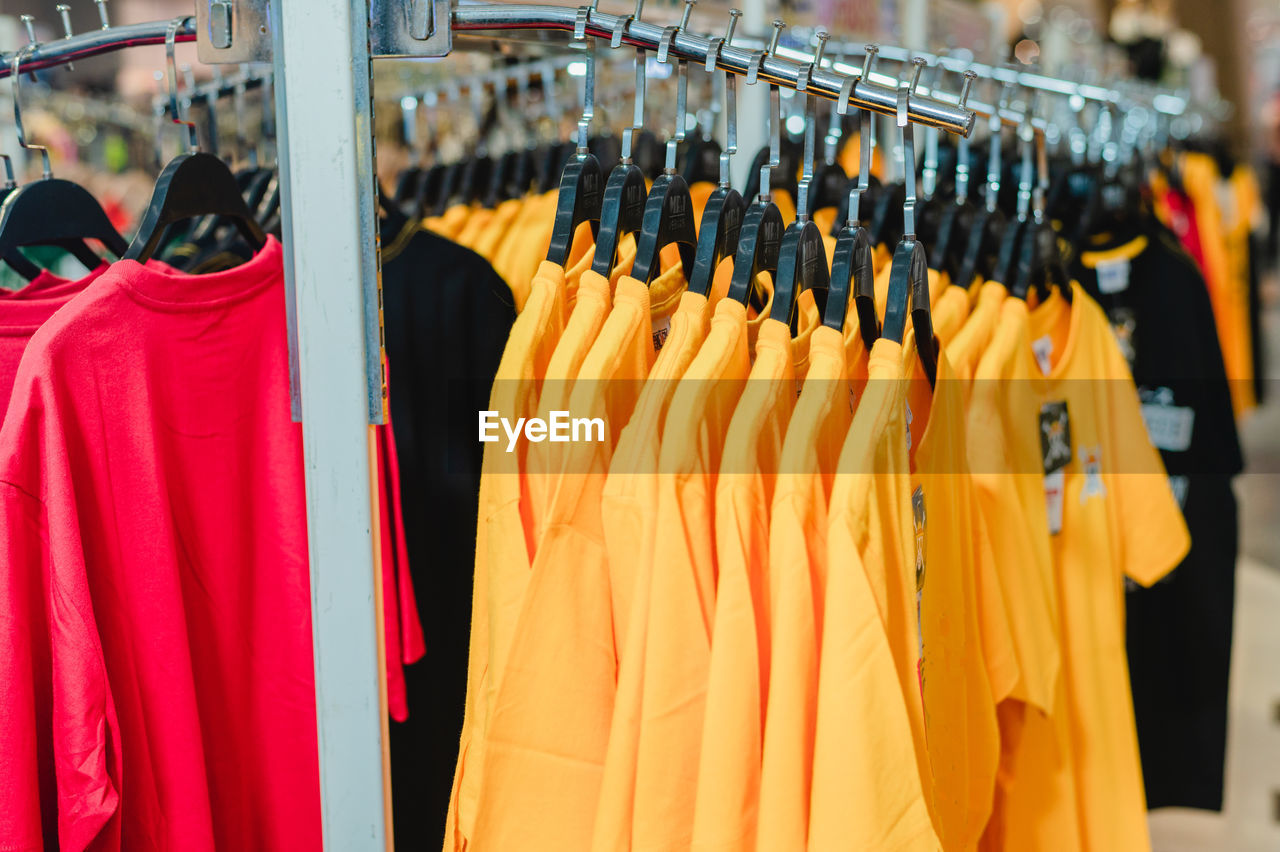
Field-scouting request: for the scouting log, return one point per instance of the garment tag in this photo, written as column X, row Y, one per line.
column 1055, row 485
column 1055, row 436
column 661, row 328
column 909, row 418
column 1124, row 326
column 1169, row 426
column 1113, row 275
column 1043, row 349
column 918, row 521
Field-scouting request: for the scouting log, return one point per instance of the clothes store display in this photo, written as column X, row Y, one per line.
column 831, row 511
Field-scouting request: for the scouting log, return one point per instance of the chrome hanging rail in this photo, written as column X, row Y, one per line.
column 480, row 18
column 95, row 42
column 775, row 69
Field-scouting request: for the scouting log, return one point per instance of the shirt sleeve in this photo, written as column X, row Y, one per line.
column 1153, row 534
column 59, row 741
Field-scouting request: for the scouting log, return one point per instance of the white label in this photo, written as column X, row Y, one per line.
column 661, row 328
column 1055, row 485
column 1180, row 485
column 1043, row 349
column 1169, row 426
column 909, row 418
column 1113, row 275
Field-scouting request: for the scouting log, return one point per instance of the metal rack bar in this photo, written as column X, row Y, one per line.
column 95, row 42
column 825, row 83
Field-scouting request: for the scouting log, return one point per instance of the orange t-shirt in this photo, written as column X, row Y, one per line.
column 682, row 585
column 798, row 567
column 729, row 763
column 867, row 790
column 502, row 555
column 628, row 510
column 1118, row 517
column 550, row 726
column 959, row 704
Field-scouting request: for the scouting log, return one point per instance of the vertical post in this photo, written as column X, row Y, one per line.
column 324, row 112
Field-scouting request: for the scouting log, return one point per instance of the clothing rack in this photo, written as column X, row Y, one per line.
column 330, row 227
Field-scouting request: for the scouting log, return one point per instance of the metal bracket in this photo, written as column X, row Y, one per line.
column 229, row 32
column 407, row 28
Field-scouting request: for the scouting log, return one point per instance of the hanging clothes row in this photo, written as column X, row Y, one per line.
column 845, row 567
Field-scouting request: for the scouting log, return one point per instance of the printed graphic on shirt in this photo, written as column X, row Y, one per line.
column 661, row 328
column 1124, row 325
column 1091, row 462
column 1170, row 426
column 918, row 521
column 1055, row 436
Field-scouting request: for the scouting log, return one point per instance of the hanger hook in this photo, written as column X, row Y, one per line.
column 909, row 149
column 866, row 135
column 170, row 42
column 810, row 129
column 962, row 144
column 775, row 116
column 682, row 85
column 730, row 96
column 14, row 65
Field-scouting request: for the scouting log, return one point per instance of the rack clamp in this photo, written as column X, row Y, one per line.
column 406, row 28
column 229, row 32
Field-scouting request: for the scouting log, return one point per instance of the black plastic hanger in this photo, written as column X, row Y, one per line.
column 957, row 218
column 1018, row 247
column 802, row 257
column 760, row 241
column 623, row 209
column 909, row 275
column 668, row 211
column 721, row 224
column 851, row 266
column 50, row 211
column 192, row 184
column 621, row 212
column 580, row 183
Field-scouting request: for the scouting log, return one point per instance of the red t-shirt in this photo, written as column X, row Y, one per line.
column 153, row 573
column 23, row 311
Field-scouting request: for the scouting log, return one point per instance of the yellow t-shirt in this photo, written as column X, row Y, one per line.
column 966, row 346
column 950, row 307
column 550, row 727
column 797, row 579
column 451, row 223
column 959, row 704
column 628, row 510
column 682, row 584
column 474, row 226
column 1200, row 178
column 1118, row 518
column 729, row 765
column 867, row 790
column 502, row 553
column 1004, row 455
column 495, row 230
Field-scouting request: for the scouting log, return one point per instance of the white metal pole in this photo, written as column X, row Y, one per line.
column 324, row 117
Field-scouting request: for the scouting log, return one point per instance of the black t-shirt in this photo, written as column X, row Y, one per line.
column 1179, row 631
column 447, row 316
